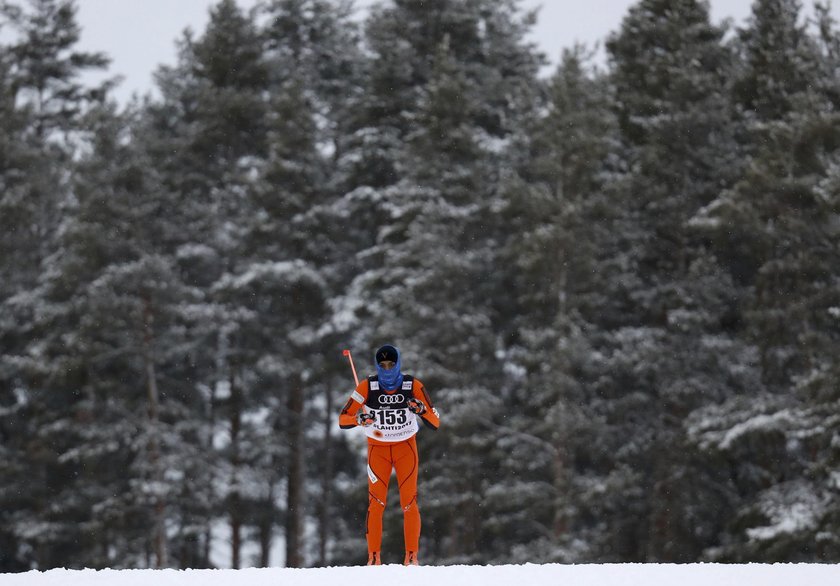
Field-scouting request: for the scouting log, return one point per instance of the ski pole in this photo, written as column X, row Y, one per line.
column 355, row 376
column 353, row 366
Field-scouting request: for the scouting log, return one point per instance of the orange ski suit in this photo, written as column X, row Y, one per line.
column 388, row 450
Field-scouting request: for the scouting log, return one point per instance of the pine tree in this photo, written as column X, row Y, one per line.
column 774, row 228
column 111, row 346
column 212, row 117
column 42, row 67
column 448, row 85
column 791, row 129
column 669, row 300
column 42, row 109
column 552, row 216
column 313, row 48
column 42, row 106
column 12, row 423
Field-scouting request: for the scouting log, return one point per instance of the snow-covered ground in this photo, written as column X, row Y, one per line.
column 530, row 575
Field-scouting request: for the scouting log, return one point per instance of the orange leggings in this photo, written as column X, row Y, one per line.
column 401, row 456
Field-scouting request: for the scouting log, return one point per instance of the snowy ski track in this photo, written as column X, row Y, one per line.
column 508, row 575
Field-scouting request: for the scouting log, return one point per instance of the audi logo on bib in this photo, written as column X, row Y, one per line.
column 391, row 399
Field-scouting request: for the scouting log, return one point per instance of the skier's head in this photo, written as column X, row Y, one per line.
column 388, row 366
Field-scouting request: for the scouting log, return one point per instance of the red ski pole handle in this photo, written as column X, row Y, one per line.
column 352, row 366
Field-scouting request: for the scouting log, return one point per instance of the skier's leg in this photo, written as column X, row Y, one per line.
column 379, row 474
column 406, row 463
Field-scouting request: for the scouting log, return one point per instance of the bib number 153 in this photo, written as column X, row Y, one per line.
column 391, row 417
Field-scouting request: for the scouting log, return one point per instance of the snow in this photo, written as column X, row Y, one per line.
column 800, row 516
column 278, row 271
column 790, row 507
column 759, row 422
column 542, row 575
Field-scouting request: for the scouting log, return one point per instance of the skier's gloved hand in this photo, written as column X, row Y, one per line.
column 364, row 419
column 416, row 406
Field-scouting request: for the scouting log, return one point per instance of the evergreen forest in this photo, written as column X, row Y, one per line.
column 619, row 281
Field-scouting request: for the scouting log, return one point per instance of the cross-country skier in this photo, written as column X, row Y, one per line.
column 389, row 406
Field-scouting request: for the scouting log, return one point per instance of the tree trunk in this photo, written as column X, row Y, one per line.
column 214, row 419
column 326, row 484
column 236, row 403
column 159, row 535
column 294, row 505
column 266, row 525
column 561, row 486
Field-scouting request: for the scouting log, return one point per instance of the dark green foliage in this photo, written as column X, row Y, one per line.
column 776, row 230
column 619, row 285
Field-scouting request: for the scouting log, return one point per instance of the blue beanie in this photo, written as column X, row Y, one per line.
column 392, row 378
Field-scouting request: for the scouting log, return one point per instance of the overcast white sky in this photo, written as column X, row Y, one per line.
column 139, row 35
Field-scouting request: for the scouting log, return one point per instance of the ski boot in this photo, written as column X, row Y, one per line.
column 374, row 559
column 411, row 559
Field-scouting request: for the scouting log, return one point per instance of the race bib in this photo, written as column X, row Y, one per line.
column 392, row 425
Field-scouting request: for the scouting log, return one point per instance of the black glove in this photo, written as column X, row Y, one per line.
column 364, row 418
column 416, row 406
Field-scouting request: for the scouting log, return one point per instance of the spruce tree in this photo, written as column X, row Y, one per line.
column 448, row 85
column 207, row 137
column 774, row 230
column 114, row 351
column 42, row 109
column 313, row 50
column 553, row 209
column 668, row 298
